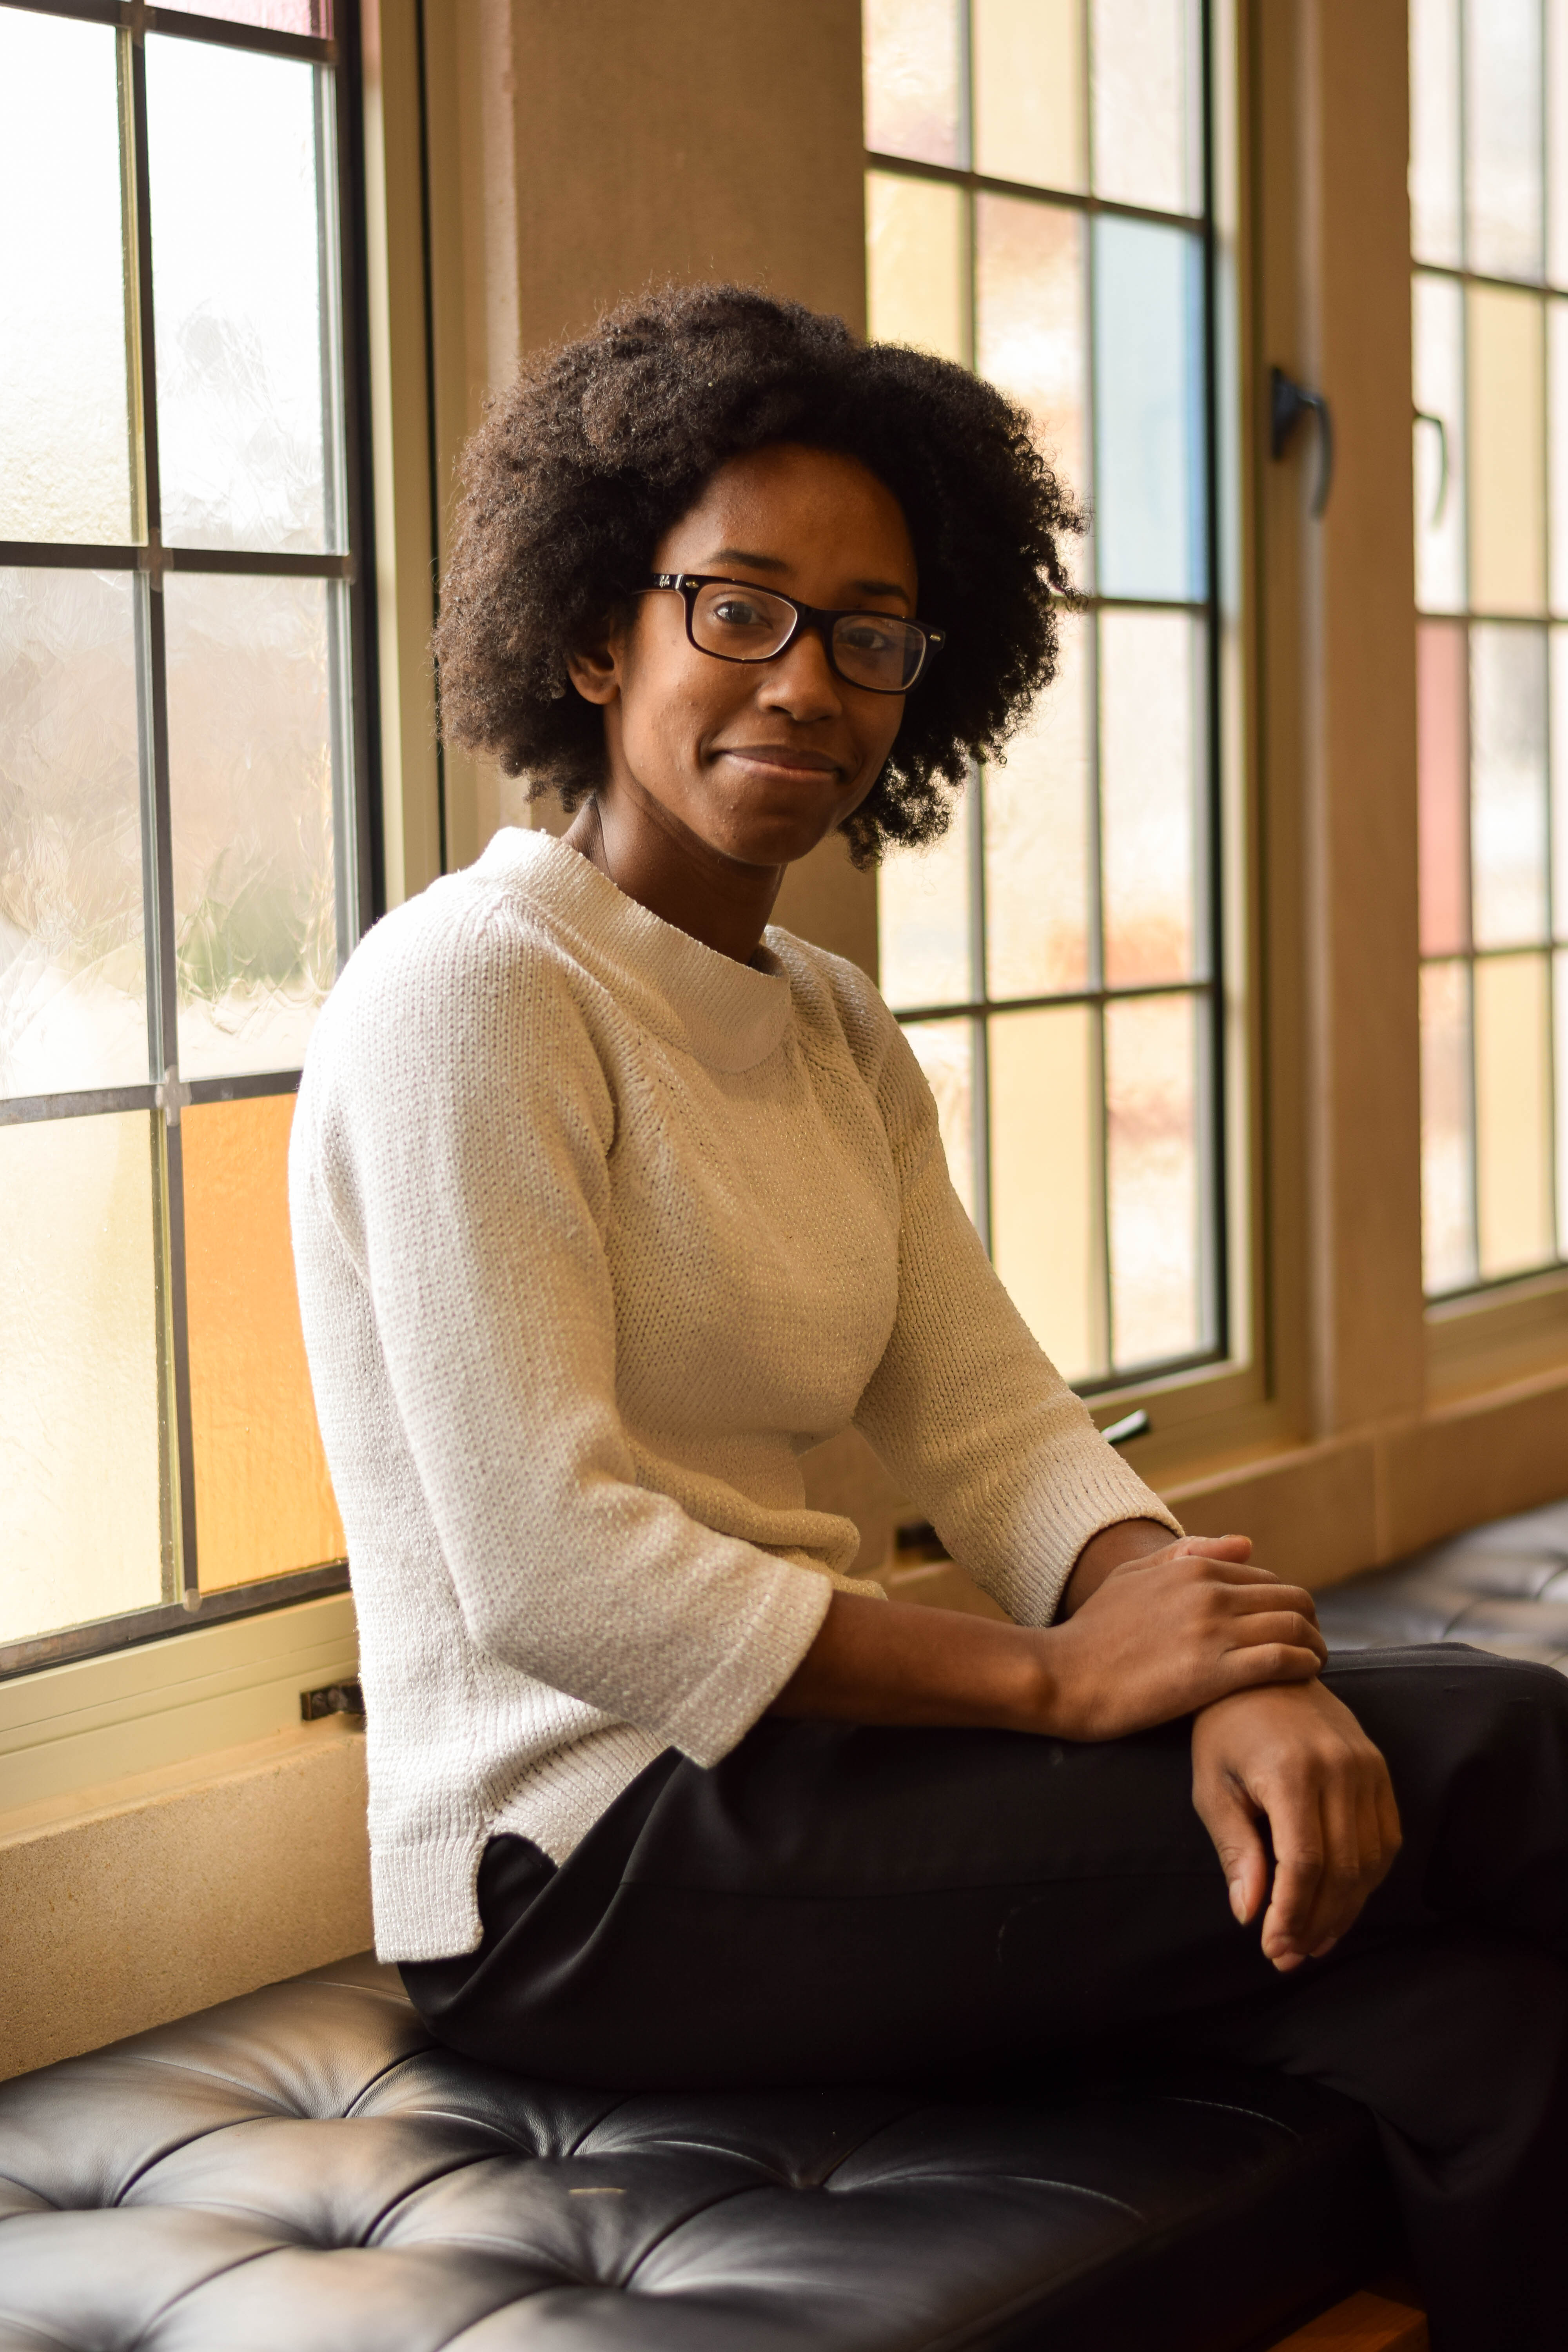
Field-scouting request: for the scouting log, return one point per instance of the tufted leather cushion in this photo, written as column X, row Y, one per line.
column 303, row 2170
column 1502, row 1586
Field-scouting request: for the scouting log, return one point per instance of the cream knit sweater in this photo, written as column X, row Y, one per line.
column 598, row 1230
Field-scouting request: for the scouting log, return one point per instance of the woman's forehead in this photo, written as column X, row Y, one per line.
column 784, row 505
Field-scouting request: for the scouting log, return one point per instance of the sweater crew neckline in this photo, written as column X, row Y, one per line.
column 728, row 1015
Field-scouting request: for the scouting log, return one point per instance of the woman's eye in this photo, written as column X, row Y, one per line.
column 736, row 613
column 865, row 637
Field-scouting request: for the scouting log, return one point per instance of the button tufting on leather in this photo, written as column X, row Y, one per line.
column 305, row 2168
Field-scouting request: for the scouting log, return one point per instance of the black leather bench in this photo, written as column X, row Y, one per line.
column 303, row 2170
column 1501, row 1587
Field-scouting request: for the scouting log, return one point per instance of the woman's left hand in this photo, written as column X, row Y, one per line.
column 1295, row 1755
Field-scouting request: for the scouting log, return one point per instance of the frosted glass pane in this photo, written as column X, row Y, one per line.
column 1026, row 71
column 73, row 970
column 1560, row 1091
column 1507, row 785
column 80, row 1532
column 924, row 952
column 1503, row 137
column 945, row 1052
column 1148, row 409
column 1151, row 1107
column 250, row 772
column 1149, row 770
column 1507, row 451
column 243, row 317
column 1557, row 142
column 1037, row 829
column 1443, row 765
column 1513, row 1126
column 1448, row 1187
column 1030, row 321
column 914, row 79
column 264, row 1500
column 1438, row 328
column 1435, row 130
column 1558, row 660
column 1557, row 469
column 64, row 419
column 1144, row 72
column 1044, row 1180
column 308, row 17
column 917, row 265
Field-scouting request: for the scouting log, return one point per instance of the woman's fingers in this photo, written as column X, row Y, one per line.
column 1259, row 1627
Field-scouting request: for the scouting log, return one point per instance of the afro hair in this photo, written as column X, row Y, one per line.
column 601, row 445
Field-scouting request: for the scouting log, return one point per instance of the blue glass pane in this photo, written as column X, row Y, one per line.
column 1148, row 410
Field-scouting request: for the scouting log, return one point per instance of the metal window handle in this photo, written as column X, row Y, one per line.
column 1288, row 403
column 1425, row 416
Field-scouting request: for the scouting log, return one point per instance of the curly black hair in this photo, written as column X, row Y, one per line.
column 580, row 469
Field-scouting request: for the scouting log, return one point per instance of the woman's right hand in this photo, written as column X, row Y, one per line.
column 1170, row 1631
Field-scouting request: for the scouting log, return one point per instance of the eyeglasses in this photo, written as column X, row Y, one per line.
column 734, row 620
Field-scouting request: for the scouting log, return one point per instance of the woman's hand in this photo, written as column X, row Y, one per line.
column 1297, row 1758
column 1163, row 1632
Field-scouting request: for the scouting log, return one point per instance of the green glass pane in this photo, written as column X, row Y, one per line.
column 1149, row 521
column 73, row 1002
column 65, row 431
column 80, row 1525
column 1448, row 1170
column 251, row 746
column 1046, row 1235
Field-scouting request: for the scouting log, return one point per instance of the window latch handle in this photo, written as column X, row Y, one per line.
column 1289, row 402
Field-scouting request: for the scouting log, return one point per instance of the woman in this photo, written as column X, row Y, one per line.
column 610, row 1202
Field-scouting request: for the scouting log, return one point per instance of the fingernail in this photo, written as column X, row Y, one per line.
column 1238, row 1900
column 1286, row 1962
column 1322, row 1948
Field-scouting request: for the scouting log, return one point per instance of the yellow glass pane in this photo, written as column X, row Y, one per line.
column 80, row 1522
column 1037, row 837
column 1044, row 1180
column 264, row 1500
column 1507, row 436
column 1447, row 1176
column 916, row 266
column 1513, row 1151
column 1028, row 81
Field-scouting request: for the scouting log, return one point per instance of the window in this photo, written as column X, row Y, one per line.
column 1038, row 207
column 183, row 851
column 1490, row 233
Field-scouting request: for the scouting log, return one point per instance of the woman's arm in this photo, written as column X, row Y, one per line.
column 1156, row 1629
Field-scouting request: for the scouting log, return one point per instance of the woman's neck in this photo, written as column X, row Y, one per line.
column 653, row 859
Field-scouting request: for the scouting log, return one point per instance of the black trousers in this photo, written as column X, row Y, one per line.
column 835, row 1902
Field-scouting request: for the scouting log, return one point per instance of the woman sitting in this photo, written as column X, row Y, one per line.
column 610, row 1202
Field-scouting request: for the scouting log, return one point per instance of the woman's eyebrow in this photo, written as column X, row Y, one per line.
column 777, row 563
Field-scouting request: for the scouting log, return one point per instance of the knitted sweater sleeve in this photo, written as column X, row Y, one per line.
column 456, row 1164
column 966, row 1409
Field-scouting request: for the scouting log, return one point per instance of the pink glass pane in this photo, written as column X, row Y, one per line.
column 313, row 18
column 1448, row 1167
column 914, row 80
column 1445, row 783
column 1152, row 1112
column 1029, row 320
column 945, row 1052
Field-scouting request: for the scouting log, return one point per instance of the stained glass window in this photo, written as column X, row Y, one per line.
column 182, row 858
column 1037, row 208
column 1489, row 189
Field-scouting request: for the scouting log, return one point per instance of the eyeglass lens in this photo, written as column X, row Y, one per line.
column 870, row 649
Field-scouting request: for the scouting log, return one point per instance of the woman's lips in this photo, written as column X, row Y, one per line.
column 782, row 758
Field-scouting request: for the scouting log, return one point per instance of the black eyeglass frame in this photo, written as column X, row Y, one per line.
column 687, row 585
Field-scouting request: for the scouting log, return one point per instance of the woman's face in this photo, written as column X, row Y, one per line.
column 761, row 760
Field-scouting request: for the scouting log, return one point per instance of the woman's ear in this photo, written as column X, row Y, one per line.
column 594, row 668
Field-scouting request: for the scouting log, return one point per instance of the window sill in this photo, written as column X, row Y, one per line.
column 95, row 1721
column 1491, row 1340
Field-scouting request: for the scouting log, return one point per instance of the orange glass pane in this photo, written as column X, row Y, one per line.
column 1443, row 767
column 264, row 1500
